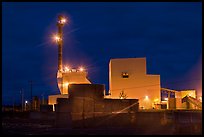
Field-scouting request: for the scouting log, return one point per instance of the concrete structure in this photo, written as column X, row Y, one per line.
column 188, row 100
column 87, row 102
column 71, row 76
column 128, row 78
column 65, row 78
column 52, row 99
column 86, row 108
column 185, row 99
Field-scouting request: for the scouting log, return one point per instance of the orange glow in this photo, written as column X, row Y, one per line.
column 62, row 21
column 155, row 100
column 66, row 84
column 81, row 69
column 190, row 94
column 56, row 38
column 146, row 97
column 66, row 68
column 200, row 98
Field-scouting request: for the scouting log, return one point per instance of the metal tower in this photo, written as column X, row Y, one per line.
column 59, row 38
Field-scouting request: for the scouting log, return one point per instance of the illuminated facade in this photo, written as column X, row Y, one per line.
column 191, row 102
column 128, row 79
column 72, row 76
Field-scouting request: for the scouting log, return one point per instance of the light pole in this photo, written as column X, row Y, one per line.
column 42, row 98
column 31, row 93
column 26, row 102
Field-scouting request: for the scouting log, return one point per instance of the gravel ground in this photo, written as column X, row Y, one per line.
column 25, row 126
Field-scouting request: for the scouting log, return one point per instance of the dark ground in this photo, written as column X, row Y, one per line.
column 21, row 124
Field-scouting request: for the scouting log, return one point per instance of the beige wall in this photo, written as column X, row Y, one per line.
column 71, row 78
column 181, row 94
column 191, row 93
column 52, row 99
column 138, row 85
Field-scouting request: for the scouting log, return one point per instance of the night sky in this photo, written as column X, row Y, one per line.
column 169, row 35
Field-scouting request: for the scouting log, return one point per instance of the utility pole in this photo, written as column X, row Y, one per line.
column 13, row 103
column 42, row 98
column 31, row 94
column 22, row 98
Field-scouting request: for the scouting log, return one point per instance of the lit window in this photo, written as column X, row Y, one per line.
column 125, row 75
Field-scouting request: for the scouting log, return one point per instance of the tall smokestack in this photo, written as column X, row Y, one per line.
column 60, row 24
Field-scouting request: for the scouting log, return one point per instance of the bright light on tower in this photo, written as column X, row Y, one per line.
column 81, row 69
column 66, row 69
column 62, row 20
column 56, row 38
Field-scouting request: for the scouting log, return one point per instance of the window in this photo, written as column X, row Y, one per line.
column 125, row 75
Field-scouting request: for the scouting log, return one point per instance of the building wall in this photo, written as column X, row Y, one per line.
column 72, row 77
column 86, row 101
column 52, row 99
column 181, row 94
column 191, row 93
column 139, row 85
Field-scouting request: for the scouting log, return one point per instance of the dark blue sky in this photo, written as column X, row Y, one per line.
column 169, row 35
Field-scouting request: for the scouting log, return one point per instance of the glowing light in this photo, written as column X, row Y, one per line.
column 62, row 21
column 26, row 101
column 189, row 94
column 146, row 97
column 56, row 38
column 166, row 99
column 155, row 100
column 200, row 98
column 66, row 84
column 66, row 68
column 81, row 69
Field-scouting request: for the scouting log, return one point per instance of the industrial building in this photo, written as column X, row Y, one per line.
column 86, row 102
column 128, row 79
column 184, row 99
column 65, row 75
